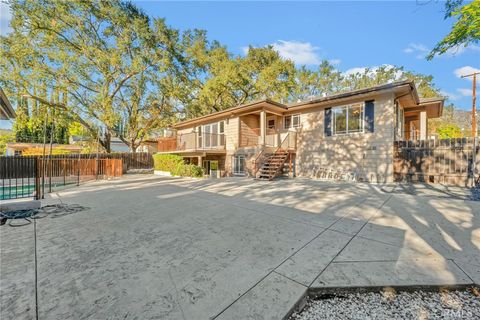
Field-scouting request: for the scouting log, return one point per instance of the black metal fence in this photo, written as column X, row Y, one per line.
column 18, row 177
column 33, row 176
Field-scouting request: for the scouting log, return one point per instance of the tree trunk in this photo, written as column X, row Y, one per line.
column 105, row 142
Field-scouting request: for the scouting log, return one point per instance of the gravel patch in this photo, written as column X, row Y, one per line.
column 394, row 305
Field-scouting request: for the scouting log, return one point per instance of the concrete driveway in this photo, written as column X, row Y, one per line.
column 171, row 248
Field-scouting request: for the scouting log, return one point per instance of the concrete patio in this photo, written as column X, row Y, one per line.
column 168, row 248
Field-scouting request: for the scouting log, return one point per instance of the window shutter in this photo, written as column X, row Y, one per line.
column 328, row 122
column 369, row 116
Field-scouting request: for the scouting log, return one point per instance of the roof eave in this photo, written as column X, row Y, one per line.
column 232, row 111
column 358, row 92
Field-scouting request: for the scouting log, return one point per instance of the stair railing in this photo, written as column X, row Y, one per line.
column 258, row 159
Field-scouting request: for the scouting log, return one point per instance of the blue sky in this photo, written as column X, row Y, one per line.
column 350, row 34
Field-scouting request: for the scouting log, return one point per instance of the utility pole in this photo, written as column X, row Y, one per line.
column 474, row 100
column 474, row 124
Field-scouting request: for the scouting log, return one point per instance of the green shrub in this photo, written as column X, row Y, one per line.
column 175, row 165
column 167, row 162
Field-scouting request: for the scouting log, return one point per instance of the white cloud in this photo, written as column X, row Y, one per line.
column 458, row 50
column 5, row 17
column 244, row 50
column 464, row 71
column 335, row 62
column 465, row 92
column 356, row 70
column 421, row 50
column 451, row 96
column 418, row 49
column 298, row 52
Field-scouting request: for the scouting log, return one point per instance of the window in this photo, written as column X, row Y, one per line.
column 221, row 133
column 239, row 165
column 200, row 140
column 348, row 119
column 399, row 122
column 292, row 121
column 271, row 124
column 211, row 135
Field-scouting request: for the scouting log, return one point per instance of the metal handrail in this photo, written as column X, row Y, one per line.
column 261, row 152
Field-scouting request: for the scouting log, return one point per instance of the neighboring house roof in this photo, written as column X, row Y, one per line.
column 405, row 90
column 117, row 145
column 77, row 138
column 6, row 109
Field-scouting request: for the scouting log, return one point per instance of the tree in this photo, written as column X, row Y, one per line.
column 325, row 80
column 222, row 80
column 94, row 52
column 37, row 122
column 449, row 130
column 465, row 30
column 5, row 137
column 370, row 77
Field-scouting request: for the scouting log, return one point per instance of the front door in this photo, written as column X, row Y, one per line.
column 211, row 168
column 214, row 169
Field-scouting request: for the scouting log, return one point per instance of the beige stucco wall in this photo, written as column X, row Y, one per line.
column 369, row 155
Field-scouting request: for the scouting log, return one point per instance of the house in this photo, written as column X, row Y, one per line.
column 351, row 132
column 6, row 109
column 117, row 145
column 23, row 148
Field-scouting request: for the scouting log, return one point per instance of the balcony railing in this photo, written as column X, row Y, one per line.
column 192, row 141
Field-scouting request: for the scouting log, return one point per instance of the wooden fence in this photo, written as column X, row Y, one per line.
column 138, row 160
column 27, row 176
column 449, row 161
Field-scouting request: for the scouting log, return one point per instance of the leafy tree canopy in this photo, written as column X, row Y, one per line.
column 107, row 58
column 465, row 30
column 105, row 68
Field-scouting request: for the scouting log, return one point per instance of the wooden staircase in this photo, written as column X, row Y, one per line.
column 273, row 165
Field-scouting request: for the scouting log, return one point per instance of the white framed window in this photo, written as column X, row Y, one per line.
column 211, row 135
column 292, row 121
column 348, row 119
column 239, row 165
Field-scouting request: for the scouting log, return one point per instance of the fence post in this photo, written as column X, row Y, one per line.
column 474, row 160
column 50, row 173
column 36, row 169
column 96, row 167
column 78, row 171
